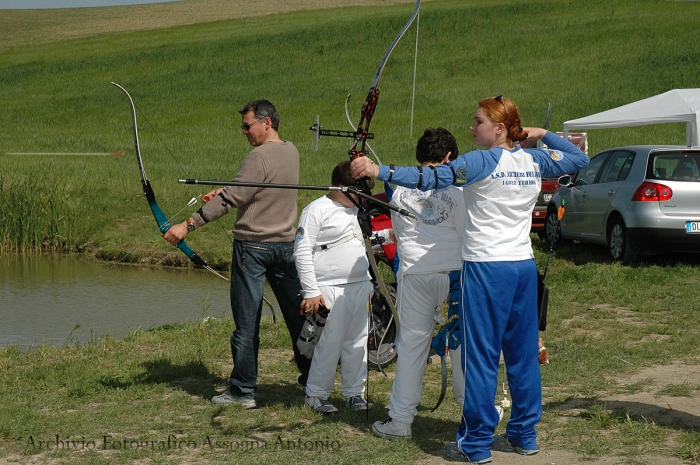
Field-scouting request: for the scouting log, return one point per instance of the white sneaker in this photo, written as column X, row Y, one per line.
column 391, row 429
column 320, row 405
column 226, row 398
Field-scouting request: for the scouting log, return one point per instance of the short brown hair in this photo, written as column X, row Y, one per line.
column 341, row 176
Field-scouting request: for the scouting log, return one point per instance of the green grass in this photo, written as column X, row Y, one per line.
column 37, row 214
column 155, row 384
column 606, row 321
column 150, row 386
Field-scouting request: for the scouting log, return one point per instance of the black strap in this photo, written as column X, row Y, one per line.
column 435, row 174
column 420, row 177
column 392, row 167
column 454, row 175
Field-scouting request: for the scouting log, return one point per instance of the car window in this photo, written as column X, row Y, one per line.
column 674, row 166
column 617, row 167
column 589, row 174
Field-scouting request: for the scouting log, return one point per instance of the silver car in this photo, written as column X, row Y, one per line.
column 636, row 200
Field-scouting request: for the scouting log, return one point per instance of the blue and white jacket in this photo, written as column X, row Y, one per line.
column 500, row 191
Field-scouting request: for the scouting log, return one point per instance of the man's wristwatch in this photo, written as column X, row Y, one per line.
column 190, row 225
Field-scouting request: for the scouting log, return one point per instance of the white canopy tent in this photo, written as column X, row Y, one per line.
column 674, row 106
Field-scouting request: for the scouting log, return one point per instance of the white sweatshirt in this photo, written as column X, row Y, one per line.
column 431, row 242
column 329, row 248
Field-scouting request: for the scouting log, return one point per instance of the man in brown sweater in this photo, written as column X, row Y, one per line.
column 263, row 246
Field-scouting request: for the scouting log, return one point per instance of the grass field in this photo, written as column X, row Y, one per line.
column 622, row 385
column 188, row 81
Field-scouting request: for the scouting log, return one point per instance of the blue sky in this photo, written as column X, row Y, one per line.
column 30, row 4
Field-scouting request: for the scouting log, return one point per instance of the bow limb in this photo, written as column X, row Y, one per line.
column 443, row 388
column 370, row 103
column 366, row 227
column 544, row 126
column 160, row 217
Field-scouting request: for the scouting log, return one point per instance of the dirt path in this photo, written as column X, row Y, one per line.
column 679, row 411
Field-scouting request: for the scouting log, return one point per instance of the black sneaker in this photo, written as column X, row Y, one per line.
column 502, row 444
column 320, row 405
column 356, row 403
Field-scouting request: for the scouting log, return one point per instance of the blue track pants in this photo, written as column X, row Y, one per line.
column 499, row 313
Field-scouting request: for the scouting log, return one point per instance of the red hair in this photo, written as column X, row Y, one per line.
column 503, row 110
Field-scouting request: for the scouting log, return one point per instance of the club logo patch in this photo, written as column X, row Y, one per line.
column 423, row 208
column 299, row 234
column 461, row 175
column 556, row 155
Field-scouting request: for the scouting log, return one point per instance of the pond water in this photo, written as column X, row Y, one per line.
column 59, row 299
column 33, row 4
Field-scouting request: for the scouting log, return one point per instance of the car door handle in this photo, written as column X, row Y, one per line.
column 611, row 192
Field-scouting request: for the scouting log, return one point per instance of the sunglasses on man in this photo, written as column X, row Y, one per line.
column 247, row 126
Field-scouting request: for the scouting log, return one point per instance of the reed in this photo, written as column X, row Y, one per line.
column 36, row 215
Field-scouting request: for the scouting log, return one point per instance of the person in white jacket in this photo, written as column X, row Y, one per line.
column 428, row 249
column 334, row 272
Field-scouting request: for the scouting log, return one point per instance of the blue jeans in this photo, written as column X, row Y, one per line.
column 252, row 263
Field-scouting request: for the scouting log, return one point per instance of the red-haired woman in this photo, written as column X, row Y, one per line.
column 499, row 300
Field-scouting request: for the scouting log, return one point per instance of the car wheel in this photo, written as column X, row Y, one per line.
column 619, row 243
column 552, row 228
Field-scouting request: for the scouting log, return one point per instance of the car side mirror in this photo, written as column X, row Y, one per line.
column 565, row 180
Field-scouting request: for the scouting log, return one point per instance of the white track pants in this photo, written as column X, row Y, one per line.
column 343, row 338
column 418, row 298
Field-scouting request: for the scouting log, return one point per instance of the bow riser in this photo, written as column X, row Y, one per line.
column 361, row 133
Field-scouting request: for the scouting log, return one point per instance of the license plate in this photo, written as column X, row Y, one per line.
column 547, row 197
column 692, row 227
